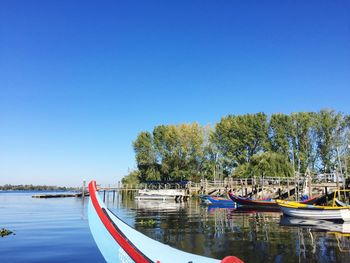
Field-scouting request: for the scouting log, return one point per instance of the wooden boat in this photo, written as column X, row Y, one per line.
column 269, row 203
column 119, row 242
column 254, row 203
column 217, row 200
column 296, row 209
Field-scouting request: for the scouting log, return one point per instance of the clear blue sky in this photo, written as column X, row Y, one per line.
column 80, row 79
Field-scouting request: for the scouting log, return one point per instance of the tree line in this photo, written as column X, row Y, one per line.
column 30, row 187
column 245, row 146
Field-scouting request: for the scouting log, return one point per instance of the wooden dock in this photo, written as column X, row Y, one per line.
column 262, row 187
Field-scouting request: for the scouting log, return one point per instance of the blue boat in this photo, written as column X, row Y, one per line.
column 216, row 200
column 120, row 243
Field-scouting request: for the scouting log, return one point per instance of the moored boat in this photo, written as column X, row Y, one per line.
column 217, row 200
column 254, row 203
column 299, row 210
column 119, row 242
column 263, row 204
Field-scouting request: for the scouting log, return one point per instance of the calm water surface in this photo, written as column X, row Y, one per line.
column 56, row 230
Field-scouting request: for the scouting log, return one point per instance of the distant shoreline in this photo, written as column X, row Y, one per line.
column 8, row 187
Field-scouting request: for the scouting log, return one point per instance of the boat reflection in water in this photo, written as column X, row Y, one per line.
column 340, row 231
column 321, row 225
column 159, row 205
column 252, row 235
column 212, row 208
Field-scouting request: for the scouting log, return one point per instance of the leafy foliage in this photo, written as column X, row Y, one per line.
column 266, row 164
column 146, row 157
column 133, row 178
column 280, row 134
column 238, row 138
column 244, row 146
column 302, row 145
column 328, row 130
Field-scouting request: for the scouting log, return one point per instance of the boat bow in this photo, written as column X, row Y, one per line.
column 118, row 242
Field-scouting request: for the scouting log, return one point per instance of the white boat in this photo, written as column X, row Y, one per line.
column 314, row 211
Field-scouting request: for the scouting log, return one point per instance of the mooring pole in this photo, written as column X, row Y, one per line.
column 83, row 190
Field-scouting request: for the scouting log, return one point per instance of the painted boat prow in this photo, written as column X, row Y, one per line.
column 118, row 242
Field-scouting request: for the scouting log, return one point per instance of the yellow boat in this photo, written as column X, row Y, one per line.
column 338, row 210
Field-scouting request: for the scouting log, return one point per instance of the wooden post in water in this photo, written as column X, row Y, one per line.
column 104, row 195
column 296, row 188
column 288, row 188
column 83, row 190
column 310, row 186
column 279, row 185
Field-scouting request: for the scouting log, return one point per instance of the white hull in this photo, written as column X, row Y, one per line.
column 162, row 192
column 331, row 214
column 154, row 197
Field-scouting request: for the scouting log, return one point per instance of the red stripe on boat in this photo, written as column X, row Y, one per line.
column 136, row 255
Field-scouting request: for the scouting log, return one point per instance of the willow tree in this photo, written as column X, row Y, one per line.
column 133, row 178
column 268, row 164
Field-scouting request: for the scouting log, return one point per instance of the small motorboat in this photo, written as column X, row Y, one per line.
column 119, row 242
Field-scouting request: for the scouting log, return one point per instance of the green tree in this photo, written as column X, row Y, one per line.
column 146, row 157
column 180, row 149
column 303, row 150
column 267, row 164
column 280, row 131
column 239, row 137
column 329, row 127
column 133, row 178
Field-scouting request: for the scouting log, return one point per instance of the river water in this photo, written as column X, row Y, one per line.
column 56, row 230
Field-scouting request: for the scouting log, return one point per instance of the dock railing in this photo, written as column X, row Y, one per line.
column 246, row 186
